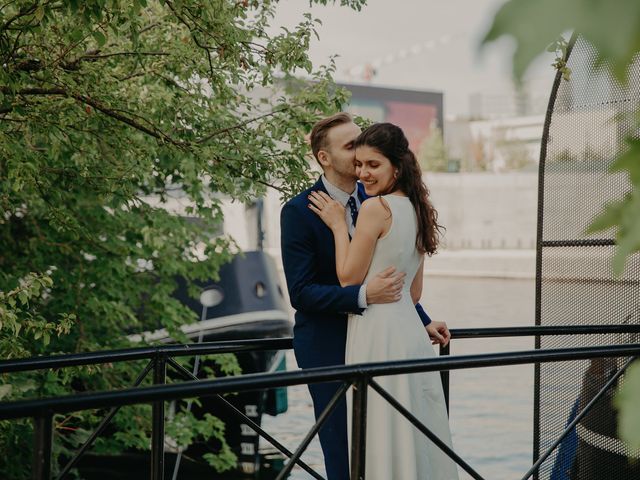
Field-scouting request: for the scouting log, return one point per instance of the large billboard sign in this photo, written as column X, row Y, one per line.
column 416, row 112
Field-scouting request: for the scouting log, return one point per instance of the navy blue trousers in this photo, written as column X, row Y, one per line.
column 333, row 434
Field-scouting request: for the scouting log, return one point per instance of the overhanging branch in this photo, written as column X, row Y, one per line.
column 154, row 132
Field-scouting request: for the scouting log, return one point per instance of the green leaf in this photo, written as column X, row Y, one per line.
column 99, row 37
column 629, row 161
column 23, row 297
column 76, row 34
column 608, row 218
column 614, row 32
column 5, row 390
column 24, row 386
column 626, row 401
column 39, row 13
column 628, row 238
column 532, row 25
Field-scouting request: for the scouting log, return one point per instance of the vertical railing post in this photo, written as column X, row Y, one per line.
column 42, row 445
column 359, row 428
column 157, row 426
column 445, row 350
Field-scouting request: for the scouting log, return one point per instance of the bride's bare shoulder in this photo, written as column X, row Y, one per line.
column 375, row 207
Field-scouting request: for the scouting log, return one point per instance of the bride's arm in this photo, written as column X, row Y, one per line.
column 352, row 258
column 416, row 284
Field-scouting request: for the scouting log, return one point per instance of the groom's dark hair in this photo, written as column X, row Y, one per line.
column 318, row 136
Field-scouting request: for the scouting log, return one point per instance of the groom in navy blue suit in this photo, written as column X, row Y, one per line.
column 321, row 304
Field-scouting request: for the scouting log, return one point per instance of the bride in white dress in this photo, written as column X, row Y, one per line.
column 395, row 228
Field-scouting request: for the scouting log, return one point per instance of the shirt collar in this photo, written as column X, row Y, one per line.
column 337, row 194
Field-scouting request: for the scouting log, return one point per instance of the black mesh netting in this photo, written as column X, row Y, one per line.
column 590, row 117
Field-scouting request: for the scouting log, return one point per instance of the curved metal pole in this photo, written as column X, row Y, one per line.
column 539, row 238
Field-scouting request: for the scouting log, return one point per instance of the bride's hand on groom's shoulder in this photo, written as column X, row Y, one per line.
column 330, row 211
column 438, row 333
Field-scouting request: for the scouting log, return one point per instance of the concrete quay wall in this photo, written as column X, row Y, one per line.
column 486, row 211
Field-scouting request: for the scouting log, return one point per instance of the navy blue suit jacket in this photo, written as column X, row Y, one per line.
column 322, row 305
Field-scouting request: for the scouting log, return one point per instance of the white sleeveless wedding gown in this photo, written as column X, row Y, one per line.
column 395, row 449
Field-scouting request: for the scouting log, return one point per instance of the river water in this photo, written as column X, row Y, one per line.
column 491, row 409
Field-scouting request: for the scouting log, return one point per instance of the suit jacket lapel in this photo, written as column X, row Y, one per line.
column 362, row 195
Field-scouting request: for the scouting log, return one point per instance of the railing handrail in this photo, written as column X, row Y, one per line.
column 235, row 346
column 84, row 401
column 532, row 330
column 142, row 353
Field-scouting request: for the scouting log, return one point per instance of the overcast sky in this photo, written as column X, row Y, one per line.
column 444, row 33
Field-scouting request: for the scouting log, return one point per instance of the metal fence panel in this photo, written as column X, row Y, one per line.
column 588, row 119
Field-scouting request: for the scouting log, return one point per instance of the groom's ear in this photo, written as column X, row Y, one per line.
column 323, row 158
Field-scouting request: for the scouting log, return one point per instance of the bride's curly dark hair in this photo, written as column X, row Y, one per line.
column 391, row 142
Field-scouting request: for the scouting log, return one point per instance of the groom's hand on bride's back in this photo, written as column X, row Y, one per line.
column 385, row 287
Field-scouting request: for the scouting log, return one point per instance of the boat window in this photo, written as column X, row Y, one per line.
column 261, row 290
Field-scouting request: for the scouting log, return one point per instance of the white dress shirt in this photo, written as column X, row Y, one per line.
column 343, row 197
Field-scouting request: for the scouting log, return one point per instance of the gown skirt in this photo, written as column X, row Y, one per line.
column 395, row 449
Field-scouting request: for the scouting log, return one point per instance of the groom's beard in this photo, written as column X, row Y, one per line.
column 345, row 177
column 347, row 174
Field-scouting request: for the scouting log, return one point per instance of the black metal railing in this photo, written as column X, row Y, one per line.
column 530, row 331
column 359, row 376
column 159, row 357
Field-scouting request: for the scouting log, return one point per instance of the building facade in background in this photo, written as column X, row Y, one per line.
column 503, row 144
column 416, row 112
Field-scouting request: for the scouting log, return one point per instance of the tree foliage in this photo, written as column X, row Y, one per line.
column 613, row 28
column 432, row 155
column 110, row 112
